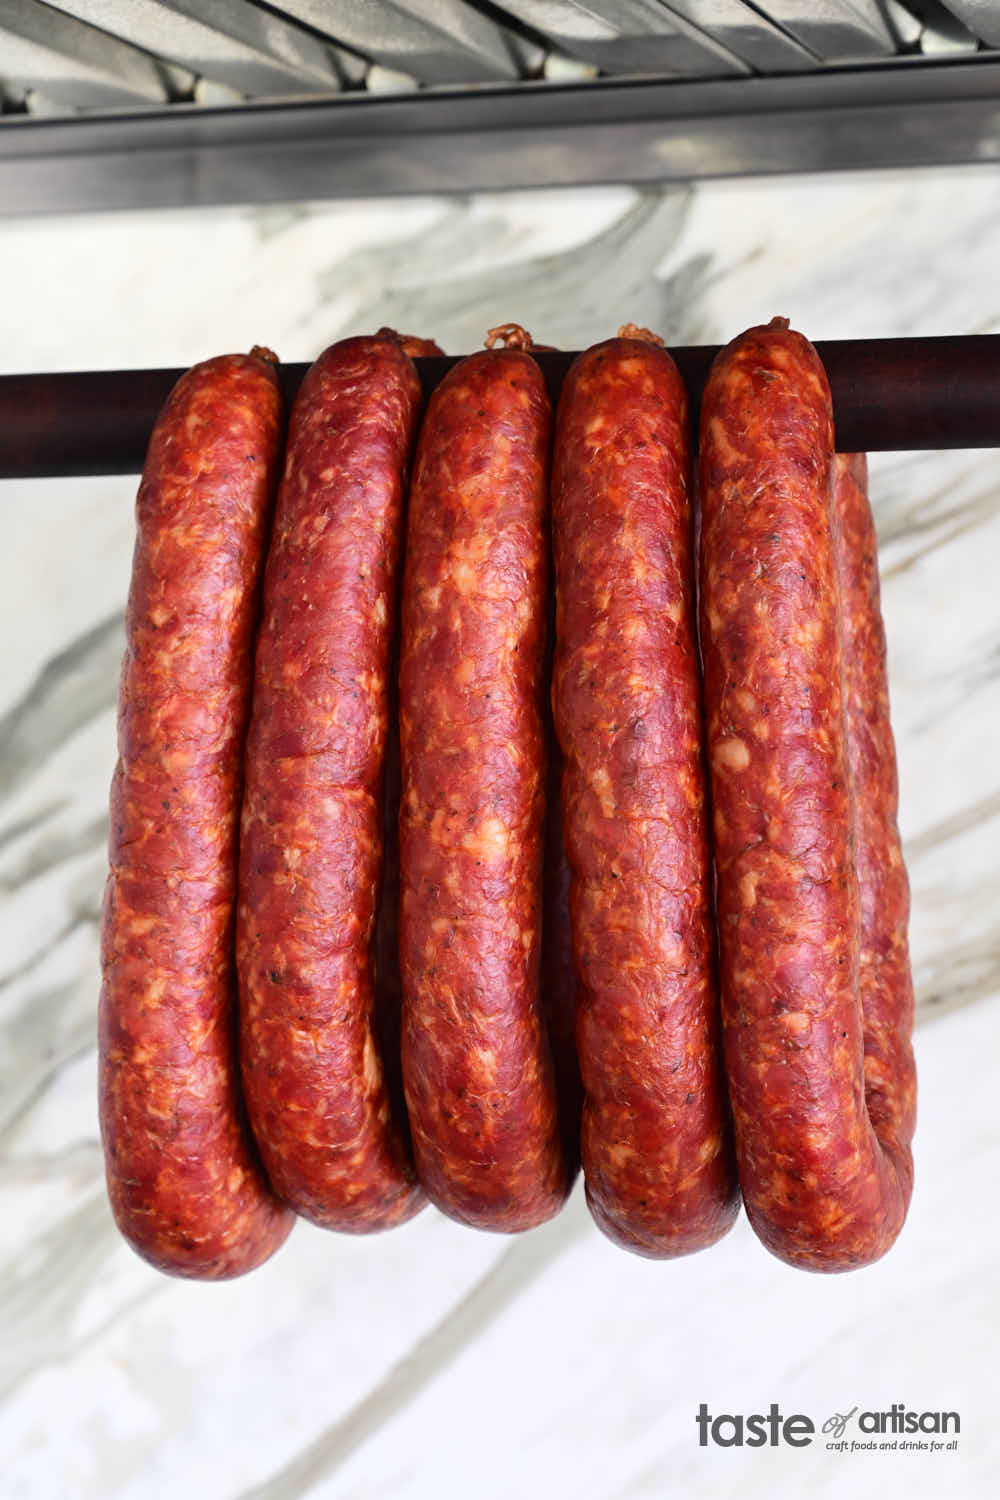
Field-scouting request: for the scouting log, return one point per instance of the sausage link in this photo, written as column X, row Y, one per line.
column 413, row 345
column 824, row 1189
column 477, row 1069
column 657, row 1155
column 185, row 1185
column 885, row 982
column 312, row 825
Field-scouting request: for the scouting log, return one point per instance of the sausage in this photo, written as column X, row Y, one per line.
column 884, row 978
column 414, row 346
column 656, row 1146
column 312, row 826
column 558, row 975
column 477, row 1070
column 184, row 1181
column 825, row 1173
column 388, row 985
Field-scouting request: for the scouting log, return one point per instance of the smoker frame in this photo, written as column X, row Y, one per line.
column 908, row 113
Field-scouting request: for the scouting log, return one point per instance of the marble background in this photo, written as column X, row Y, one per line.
column 436, row 1361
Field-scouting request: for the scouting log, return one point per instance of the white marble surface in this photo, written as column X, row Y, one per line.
column 436, row 1361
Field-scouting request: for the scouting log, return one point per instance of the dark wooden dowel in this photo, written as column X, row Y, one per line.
column 887, row 393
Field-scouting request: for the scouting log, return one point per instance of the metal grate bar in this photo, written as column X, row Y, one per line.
column 435, row 41
column 747, row 33
column 951, row 25
column 628, row 36
column 982, row 17
column 72, row 63
column 227, row 41
column 526, row 135
column 835, row 30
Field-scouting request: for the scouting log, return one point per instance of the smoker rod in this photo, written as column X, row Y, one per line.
column 888, row 394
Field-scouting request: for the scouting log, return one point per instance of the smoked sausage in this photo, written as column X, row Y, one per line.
column 312, row 825
column 656, row 1147
column 185, row 1185
column 884, row 979
column 825, row 1166
column 416, row 347
column 477, row 1069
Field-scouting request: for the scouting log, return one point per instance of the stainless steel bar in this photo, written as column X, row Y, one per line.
column 436, row 41
column 946, row 36
column 982, row 17
column 746, row 33
column 836, row 30
column 887, row 393
column 906, row 25
column 228, row 41
column 72, row 63
column 628, row 36
column 532, row 134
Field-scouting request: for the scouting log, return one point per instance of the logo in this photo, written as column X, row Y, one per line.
column 756, row 1431
column 837, row 1423
column 897, row 1428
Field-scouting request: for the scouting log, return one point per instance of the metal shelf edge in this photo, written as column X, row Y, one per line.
column 487, row 138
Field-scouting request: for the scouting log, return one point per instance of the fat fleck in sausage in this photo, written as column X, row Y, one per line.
column 657, row 1156
column 312, row 824
column 477, row 1069
column 185, row 1185
column 825, row 1172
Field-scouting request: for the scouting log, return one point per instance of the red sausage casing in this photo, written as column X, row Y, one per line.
column 657, row 1156
column 312, row 825
column 884, row 979
column 185, row 1185
column 477, row 1069
column 826, row 1182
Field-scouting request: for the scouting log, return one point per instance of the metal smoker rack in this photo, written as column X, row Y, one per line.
column 112, row 104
